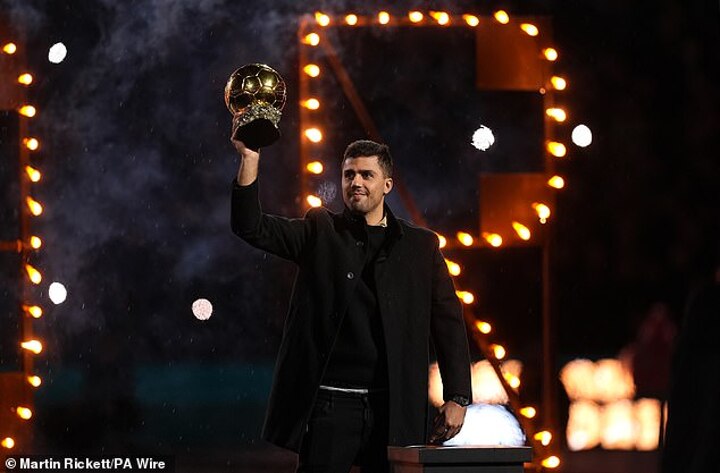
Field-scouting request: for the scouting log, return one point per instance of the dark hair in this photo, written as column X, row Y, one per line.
column 367, row 148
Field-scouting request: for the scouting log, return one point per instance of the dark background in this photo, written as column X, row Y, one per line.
column 137, row 167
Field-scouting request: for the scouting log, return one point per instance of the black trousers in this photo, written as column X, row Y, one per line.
column 346, row 429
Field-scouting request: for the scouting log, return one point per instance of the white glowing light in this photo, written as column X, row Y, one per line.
column 483, row 138
column 582, row 136
column 57, row 293
column 488, row 425
column 202, row 309
column 57, row 53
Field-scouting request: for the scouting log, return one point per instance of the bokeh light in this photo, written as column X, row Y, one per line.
column 57, row 292
column 57, row 53
column 202, row 309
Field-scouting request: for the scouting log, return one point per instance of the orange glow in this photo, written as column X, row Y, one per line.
column 23, row 412
column 33, row 173
column 522, row 231
column 551, row 462
column 313, row 70
column 351, row 19
column 313, row 39
column 543, row 211
column 314, row 201
column 550, row 54
column 32, row 345
column 557, row 149
column 25, row 79
column 312, row 104
column 442, row 241
column 314, row 135
column 415, row 16
column 31, row 143
column 484, row 327
column 28, row 111
column 33, row 274
column 557, row 182
column 34, row 310
column 494, row 239
column 383, row 18
column 322, row 19
column 34, row 206
column 8, row 442
column 9, row 48
column 557, row 114
column 441, row 17
column 34, row 381
column 498, row 351
column 465, row 238
column 501, row 16
column 465, row 296
column 35, row 242
column 528, row 412
column 453, row 267
column 530, row 29
column 512, row 380
column 558, row 83
column 544, row 437
column 471, row 20
column 315, row 167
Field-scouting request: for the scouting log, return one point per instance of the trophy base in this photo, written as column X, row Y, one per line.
column 257, row 134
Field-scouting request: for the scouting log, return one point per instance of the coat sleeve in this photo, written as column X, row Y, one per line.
column 283, row 237
column 448, row 332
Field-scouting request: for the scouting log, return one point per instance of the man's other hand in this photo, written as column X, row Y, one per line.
column 448, row 422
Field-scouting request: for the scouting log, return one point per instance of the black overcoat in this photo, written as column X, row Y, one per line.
column 415, row 295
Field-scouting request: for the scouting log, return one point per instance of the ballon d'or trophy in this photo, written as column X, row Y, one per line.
column 255, row 95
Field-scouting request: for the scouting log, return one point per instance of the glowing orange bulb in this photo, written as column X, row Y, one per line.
column 522, row 231
column 494, row 239
column 34, row 206
column 453, row 267
column 465, row 238
column 25, row 79
column 442, row 241
column 33, row 274
column 498, row 351
column 33, row 173
column 558, row 83
column 556, row 149
column 314, row 135
column 313, row 39
column 513, row 381
column 558, row 114
column 28, row 111
column 9, row 48
column 35, row 242
column 441, row 17
column 551, row 462
column 314, row 201
column 31, row 143
column 312, row 104
column 530, row 29
column 544, row 437
column 550, row 54
column 35, row 311
column 8, row 442
column 351, row 19
column 415, row 16
column 501, row 16
column 528, row 412
column 313, row 70
column 465, row 296
column 557, row 182
column 34, row 381
column 471, row 20
column 322, row 19
column 23, row 412
column 542, row 210
column 32, row 345
column 383, row 18
column 315, row 167
column 484, row 327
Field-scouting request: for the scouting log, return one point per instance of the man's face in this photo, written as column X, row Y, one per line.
column 364, row 184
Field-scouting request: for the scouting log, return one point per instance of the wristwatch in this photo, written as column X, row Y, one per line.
column 460, row 400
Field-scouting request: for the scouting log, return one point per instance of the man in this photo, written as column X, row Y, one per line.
column 352, row 369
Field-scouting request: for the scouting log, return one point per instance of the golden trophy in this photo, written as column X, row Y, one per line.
column 255, row 95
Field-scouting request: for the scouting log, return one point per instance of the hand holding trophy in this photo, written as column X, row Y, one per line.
column 255, row 95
